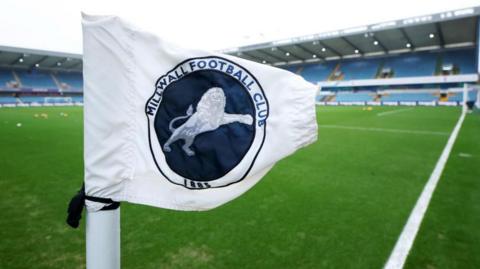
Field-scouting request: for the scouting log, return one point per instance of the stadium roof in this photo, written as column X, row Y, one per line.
column 47, row 60
column 449, row 29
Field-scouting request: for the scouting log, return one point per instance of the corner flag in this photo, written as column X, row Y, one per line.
column 180, row 128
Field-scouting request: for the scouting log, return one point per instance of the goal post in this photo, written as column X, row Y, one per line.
column 477, row 102
column 471, row 96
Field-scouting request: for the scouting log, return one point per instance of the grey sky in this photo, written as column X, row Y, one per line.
column 207, row 24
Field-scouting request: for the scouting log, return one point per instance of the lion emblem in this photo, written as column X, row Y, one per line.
column 209, row 116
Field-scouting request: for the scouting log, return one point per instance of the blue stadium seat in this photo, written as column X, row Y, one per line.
column 403, row 65
column 458, row 96
column 8, row 100
column 73, row 80
column 354, row 97
column 412, row 65
column 36, row 79
column 32, row 99
column 292, row 68
column 317, row 72
column 6, row 76
column 359, row 69
column 410, row 97
column 464, row 59
column 77, row 99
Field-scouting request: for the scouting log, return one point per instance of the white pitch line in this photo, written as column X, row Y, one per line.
column 394, row 111
column 383, row 130
column 405, row 241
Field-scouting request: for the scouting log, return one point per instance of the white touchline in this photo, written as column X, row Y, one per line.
column 382, row 130
column 405, row 241
column 394, row 111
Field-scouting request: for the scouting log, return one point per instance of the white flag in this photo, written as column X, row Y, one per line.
column 180, row 128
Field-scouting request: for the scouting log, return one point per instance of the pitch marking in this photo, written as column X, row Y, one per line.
column 383, row 130
column 465, row 155
column 393, row 111
column 405, row 241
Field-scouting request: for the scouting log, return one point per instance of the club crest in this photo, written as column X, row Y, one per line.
column 206, row 120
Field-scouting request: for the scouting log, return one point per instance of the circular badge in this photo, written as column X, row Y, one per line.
column 206, row 121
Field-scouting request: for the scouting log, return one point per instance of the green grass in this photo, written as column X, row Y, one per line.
column 449, row 236
column 340, row 203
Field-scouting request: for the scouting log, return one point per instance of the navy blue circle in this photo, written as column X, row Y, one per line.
column 218, row 151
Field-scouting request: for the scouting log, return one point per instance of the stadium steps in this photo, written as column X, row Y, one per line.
column 337, row 67
column 299, row 70
column 17, row 78
column 330, row 98
column 379, row 69
column 55, row 80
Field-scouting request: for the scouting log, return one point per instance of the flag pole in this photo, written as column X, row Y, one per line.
column 103, row 239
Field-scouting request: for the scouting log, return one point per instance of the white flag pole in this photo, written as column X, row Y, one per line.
column 477, row 103
column 465, row 97
column 103, row 239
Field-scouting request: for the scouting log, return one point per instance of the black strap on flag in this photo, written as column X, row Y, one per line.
column 76, row 205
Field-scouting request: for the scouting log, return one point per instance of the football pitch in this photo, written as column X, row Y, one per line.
column 339, row 203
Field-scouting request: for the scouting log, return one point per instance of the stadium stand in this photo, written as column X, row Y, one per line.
column 6, row 77
column 32, row 99
column 77, row 99
column 8, row 100
column 462, row 60
column 409, row 60
column 293, row 68
column 36, row 79
column 70, row 80
column 403, row 65
column 354, row 97
column 317, row 72
column 421, row 64
column 360, row 69
column 409, row 97
column 412, row 65
column 458, row 97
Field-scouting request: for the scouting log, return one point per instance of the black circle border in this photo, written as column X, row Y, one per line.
column 264, row 126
